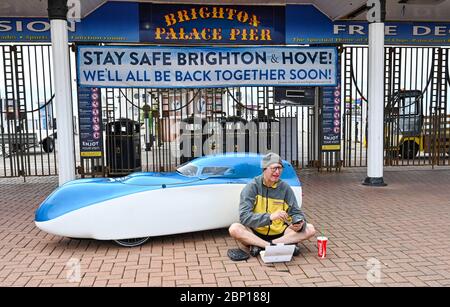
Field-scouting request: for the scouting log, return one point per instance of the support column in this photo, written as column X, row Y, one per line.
column 375, row 147
column 57, row 13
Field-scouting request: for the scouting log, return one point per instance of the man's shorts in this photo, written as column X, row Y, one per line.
column 273, row 237
column 268, row 238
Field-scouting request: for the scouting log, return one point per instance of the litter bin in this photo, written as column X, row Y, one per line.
column 123, row 150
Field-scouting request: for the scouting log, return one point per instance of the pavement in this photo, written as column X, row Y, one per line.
column 398, row 235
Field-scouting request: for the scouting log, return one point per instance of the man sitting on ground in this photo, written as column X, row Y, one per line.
column 269, row 213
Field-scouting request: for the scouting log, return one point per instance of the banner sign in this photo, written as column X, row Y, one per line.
column 205, row 67
column 211, row 24
column 126, row 22
column 331, row 117
column 90, row 122
column 305, row 24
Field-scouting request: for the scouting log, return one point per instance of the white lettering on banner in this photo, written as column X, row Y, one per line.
column 437, row 31
column 32, row 26
column 205, row 67
column 392, row 30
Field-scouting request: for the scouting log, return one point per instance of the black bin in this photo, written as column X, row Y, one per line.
column 123, row 150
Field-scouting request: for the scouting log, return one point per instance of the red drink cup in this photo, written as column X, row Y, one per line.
column 322, row 246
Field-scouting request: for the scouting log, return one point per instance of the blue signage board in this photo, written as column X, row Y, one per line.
column 112, row 22
column 211, row 24
column 125, row 22
column 331, row 117
column 305, row 24
column 90, row 122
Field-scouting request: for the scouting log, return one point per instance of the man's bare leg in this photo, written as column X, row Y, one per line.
column 246, row 236
column 293, row 237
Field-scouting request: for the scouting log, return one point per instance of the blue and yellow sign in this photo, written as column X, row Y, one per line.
column 305, row 24
column 211, row 24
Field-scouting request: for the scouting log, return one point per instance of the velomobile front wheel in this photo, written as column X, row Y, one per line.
column 132, row 242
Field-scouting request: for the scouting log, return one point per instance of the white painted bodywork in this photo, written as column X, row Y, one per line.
column 154, row 213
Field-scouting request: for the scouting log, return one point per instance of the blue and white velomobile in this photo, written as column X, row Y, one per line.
column 202, row 194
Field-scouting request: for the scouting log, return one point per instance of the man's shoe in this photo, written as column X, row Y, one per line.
column 296, row 250
column 254, row 250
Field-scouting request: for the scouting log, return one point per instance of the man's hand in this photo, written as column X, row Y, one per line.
column 297, row 227
column 279, row 215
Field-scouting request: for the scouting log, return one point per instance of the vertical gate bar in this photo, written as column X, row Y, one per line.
column 118, row 163
column 426, row 53
column 296, row 136
column 354, row 57
column 45, row 109
column 430, row 107
column 442, row 108
column 148, row 104
column 160, row 131
column 15, row 90
column 169, row 94
column 154, row 119
column 419, row 85
column 3, row 131
column 13, row 122
column 52, row 108
column 19, row 92
column 429, row 76
column 393, row 74
column 438, row 106
column 128, row 142
column 343, row 103
column 8, row 85
column 401, row 77
column 27, row 157
column 3, row 105
column 300, row 138
column 141, row 123
column 38, row 94
column 360, row 117
column 135, row 151
column 27, row 84
column 409, row 51
column 32, row 105
column 353, row 106
column 387, row 90
column 403, row 73
column 416, row 77
column 434, row 99
column 148, row 134
column 446, row 114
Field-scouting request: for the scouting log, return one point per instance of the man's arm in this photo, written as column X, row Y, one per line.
column 246, row 214
column 294, row 210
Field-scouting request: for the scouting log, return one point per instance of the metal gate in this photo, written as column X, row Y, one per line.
column 417, row 113
column 27, row 121
column 417, row 117
column 142, row 127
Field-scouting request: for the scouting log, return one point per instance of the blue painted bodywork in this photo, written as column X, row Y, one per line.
column 241, row 168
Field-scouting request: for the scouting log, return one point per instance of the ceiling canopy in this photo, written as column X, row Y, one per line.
column 397, row 10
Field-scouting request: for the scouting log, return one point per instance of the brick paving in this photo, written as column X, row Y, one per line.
column 402, row 229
